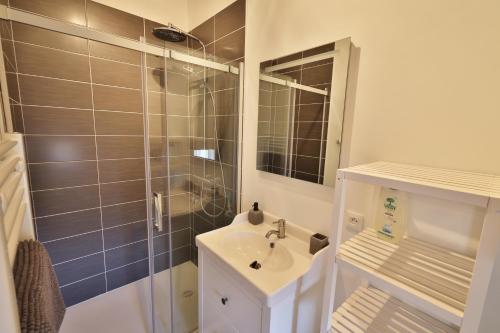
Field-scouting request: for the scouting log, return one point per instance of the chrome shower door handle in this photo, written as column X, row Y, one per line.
column 158, row 201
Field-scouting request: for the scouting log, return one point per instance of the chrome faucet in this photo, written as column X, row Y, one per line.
column 281, row 229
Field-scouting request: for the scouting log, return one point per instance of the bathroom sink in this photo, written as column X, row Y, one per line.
column 275, row 267
column 252, row 247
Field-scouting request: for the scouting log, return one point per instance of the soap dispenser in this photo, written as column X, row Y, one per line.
column 255, row 215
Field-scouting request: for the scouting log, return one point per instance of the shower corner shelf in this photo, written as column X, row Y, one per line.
column 448, row 286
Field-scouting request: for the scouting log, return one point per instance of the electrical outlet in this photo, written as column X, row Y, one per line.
column 355, row 221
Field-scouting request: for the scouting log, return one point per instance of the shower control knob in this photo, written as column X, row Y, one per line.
column 224, row 300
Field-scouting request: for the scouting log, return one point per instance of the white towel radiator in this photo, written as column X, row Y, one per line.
column 15, row 221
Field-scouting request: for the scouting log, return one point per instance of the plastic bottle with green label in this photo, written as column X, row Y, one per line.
column 390, row 222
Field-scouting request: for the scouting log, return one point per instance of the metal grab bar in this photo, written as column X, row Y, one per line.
column 158, row 201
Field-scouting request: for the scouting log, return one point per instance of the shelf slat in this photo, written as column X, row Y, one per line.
column 420, row 274
column 371, row 310
column 466, row 187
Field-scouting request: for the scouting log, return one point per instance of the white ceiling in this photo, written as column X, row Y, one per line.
column 200, row 10
column 186, row 14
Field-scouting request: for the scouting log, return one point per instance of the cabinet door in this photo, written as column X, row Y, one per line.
column 214, row 321
column 227, row 299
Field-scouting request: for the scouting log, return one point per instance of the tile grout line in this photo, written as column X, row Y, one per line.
column 97, row 155
column 75, row 108
column 127, row 244
column 70, row 212
column 96, row 230
column 55, row 107
column 28, row 173
column 114, row 248
column 85, row 278
column 122, row 266
column 79, row 82
column 86, row 135
column 124, row 224
column 298, row 171
column 78, row 161
column 222, row 37
column 77, row 258
column 173, row 249
column 68, row 237
column 98, row 207
column 74, row 53
column 86, row 209
column 215, row 91
column 6, row 59
column 116, row 111
column 130, row 263
column 86, row 185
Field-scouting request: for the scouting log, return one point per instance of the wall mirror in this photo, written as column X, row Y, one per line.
column 301, row 111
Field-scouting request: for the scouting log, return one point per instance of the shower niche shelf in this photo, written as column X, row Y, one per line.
column 414, row 286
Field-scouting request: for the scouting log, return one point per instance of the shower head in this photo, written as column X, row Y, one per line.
column 170, row 33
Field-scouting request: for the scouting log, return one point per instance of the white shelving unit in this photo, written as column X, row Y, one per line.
column 426, row 288
column 372, row 310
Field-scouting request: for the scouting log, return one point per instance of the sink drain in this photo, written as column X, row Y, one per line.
column 255, row 265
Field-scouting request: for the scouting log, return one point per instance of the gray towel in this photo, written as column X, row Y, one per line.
column 40, row 303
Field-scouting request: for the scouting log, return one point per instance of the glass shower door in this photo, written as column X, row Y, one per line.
column 172, row 137
column 174, row 303
column 192, row 121
column 213, row 125
column 213, row 120
column 157, row 186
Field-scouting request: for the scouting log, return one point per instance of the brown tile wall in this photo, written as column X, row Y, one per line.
column 80, row 105
column 224, row 34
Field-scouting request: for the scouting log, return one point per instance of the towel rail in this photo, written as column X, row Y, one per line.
column 6, row 145
column 8, row 188
column 15, row 208
column 15, row 220
column 7, row 166
column 11, row 212
column 15, row 232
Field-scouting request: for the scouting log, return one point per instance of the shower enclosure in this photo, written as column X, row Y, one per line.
column 159, row 124
column 193, row 170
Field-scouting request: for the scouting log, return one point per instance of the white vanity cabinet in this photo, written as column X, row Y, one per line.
column 225, row 304
column 283, row 296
